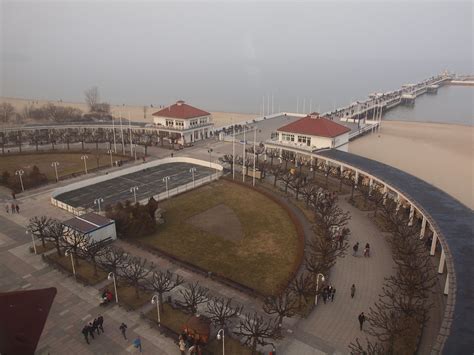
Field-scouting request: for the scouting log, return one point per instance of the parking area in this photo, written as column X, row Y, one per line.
column 149, row 182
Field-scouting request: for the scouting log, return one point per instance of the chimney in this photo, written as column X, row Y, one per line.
column 179, row 102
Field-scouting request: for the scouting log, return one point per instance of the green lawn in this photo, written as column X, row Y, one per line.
column 172, row 318
column 265, row 256
column 83, row 268
column 69, row 163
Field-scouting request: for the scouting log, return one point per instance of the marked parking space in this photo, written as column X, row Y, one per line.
column 149, row 182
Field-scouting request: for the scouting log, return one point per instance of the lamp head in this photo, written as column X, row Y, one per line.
column 219, row 336
column 322, row 278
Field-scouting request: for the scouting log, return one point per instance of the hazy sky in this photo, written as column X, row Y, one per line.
column 227, row 55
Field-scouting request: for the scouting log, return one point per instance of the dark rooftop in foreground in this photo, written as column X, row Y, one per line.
column 87, row 222
column 455, row 222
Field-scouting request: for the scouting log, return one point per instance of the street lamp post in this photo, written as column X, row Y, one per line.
column 67, row 253
column 98, row 201
column 156, row 300
column 220, row 334
column 55, row 165
column 134, row 189
column 111, row 276
column 165, row 180
column 317, row 287
column 20, row 173
column 85, row 157
column 32, row 240
column 110, row 151
column 193, row 171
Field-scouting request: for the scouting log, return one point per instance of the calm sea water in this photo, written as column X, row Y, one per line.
column 452, row 104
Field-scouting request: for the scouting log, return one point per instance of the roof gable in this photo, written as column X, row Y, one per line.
column 320, row 126
column 181, row 110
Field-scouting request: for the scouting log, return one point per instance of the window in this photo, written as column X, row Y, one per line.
column 169, row 123
column 203, row 120
column 304, row 139
column 179, row 123
column 193, row 123
column 287, row 137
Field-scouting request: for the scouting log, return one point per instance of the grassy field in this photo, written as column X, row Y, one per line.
column 262, row 259
column 83, row 268
column 69, row 163
column 172, row 318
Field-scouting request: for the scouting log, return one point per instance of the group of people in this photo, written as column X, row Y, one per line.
column 355, row 249
column 14, row 208
column 186, row 341
column 106, row 297
column 95, row 326
column 328, row 293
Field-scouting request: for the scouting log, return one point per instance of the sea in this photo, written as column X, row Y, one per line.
column 452, row 104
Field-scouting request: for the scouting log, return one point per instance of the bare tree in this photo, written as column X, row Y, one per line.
column 328, row 214
column 229, row 159
column 76, row 242
column 114, row 259
column 277, row 172
column 38, row 226
column 94, row 251
column 257, row 330
column 298, row 182
column 194, row 295
column 222, row 311
column 302, row 286
column 92, row 97
column 56, row 233
column 136, row 273
column 6, row 111
column 163, row 282
column 283, row 305
column 287, row 179
column 371, row 348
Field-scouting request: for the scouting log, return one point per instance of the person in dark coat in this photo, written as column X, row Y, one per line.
column 361, row 319
column 95, row 325
column 100, row 322
column 91, row 329
column 85, row 332
column 353, row 290
column 333, row 294
column 355, row 248
column 123, row 329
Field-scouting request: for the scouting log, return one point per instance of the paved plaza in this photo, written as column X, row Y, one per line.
column 149, row 181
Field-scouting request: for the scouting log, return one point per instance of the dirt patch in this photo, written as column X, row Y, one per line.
column 219, row 220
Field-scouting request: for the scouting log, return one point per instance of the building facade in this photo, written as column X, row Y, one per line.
column 309, row 134
column 98, row 228
column 183, row 123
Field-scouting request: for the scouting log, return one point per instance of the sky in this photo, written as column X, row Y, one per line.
column 227, row 55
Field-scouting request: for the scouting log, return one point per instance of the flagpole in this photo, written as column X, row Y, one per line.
column 254, row 155
column 130, row 129
column 233, row 151
column 113, row 129
column 243, row 155
column 121, row 132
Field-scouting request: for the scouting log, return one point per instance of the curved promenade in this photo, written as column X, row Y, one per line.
column 452, row 226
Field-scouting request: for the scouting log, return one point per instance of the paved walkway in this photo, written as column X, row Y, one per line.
column 329, row 329
column 74, row 304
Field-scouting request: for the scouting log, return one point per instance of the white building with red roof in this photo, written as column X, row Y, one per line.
column 310, row 133
column 183, row 123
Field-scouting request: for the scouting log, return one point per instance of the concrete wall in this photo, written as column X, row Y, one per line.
column 104, row 233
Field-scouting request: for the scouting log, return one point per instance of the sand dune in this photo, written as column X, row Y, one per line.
column 441, row 154
column 136, row 112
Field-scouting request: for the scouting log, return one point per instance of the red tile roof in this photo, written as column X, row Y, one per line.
column 320, row 126
column 181, row 110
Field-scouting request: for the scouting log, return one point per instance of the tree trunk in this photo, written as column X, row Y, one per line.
column 160, row 297
column 95, row 267
column 67, row 142
column 137, row 293
column 275, row 180
column 58, row 249
column 146, row 149
column 82, row 142
column 340, row 185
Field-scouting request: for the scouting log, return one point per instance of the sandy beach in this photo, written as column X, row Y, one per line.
column 441, row 154
column 136, row 112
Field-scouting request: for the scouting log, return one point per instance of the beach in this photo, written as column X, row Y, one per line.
column 137, row 113
column 441, row 154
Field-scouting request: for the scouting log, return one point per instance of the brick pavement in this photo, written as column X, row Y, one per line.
column 329, row 329
column 74, row 304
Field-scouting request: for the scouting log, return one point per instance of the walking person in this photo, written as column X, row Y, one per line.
column 85, row 332
column 367, row 250
column 361, row 319
column 100, row 322
column 138, row 343
column 333, row 294
column 123, row 329
column 355, row 248
column 91, row 330
column 95, row 325
column 12, row 208
column 17, row 209
column 353, row 290
column 182, row 345
column 7, row 209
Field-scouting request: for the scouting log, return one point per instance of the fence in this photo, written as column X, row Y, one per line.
column 80, row 184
